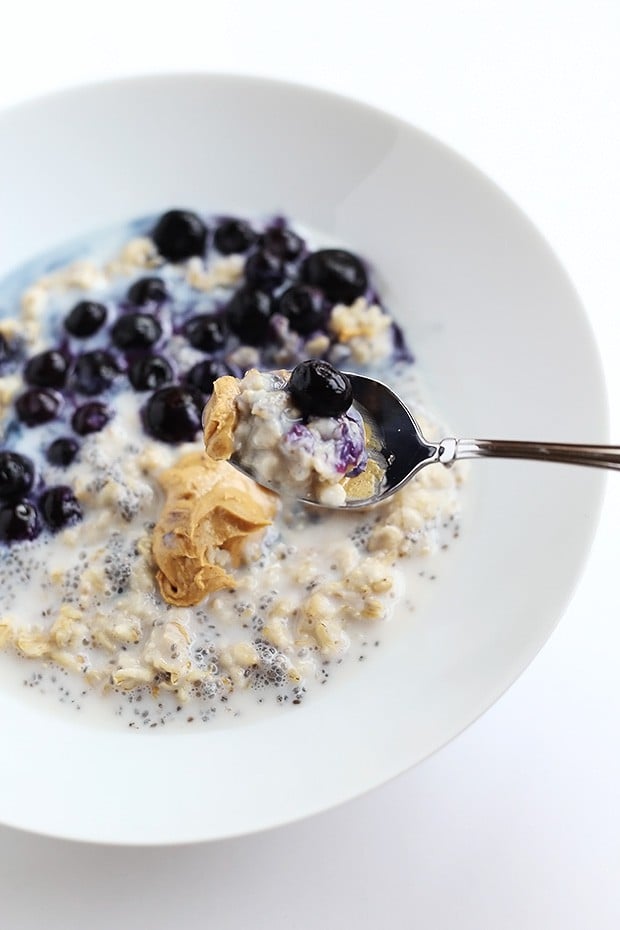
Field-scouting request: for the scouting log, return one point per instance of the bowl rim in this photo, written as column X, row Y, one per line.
column 178, row 77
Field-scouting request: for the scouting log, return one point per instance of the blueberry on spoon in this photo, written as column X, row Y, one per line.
column 320, row 390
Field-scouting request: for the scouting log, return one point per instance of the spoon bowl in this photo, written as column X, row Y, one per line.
column 403, row 446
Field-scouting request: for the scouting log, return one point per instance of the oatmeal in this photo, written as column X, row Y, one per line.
column 264, row 422
column 152, row 574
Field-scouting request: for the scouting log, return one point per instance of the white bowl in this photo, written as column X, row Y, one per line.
column 506, row 349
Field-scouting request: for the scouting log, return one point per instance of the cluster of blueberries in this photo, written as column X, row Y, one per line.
column 20, row 517
column 172, row 412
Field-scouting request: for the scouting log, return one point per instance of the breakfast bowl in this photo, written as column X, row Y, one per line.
column 483, row 319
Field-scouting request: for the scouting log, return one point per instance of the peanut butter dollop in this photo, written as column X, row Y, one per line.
column 220, row 418
column 210, row 512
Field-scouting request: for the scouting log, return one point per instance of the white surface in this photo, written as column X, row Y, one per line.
column 516, row 824
column 467, row 276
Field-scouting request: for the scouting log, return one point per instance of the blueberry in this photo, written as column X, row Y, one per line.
column 19, row 521
column 90, row 418
column 94, row 372
column 38, row 405
column 179, row 234
column 16, row 475
column 174, row 414
column 85, row 319
column 60, row 507
column 146, row 291
column 62, row 451
column 282, row 242
column 339, row 274
column 264, row 270
column 149, row 372
column 47, row 369
column 233, row 237
column 248, row 315
column 205, row 332
column 135, row 331
column 320, row 390
column 303, row 307
column 203, row 374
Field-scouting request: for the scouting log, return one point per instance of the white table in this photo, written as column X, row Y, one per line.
column 516, row 824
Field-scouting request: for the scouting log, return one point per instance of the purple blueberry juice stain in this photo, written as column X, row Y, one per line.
column 301, row 437
column 351, row 447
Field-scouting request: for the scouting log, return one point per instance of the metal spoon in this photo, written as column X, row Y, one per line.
column 407, row 451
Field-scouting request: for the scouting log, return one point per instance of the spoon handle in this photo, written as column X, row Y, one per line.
column 570, row 453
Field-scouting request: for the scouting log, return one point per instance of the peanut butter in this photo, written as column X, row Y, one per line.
column 220, row 418
column 210, row 512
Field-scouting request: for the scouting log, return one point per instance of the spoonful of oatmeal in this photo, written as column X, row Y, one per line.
column 344, row 440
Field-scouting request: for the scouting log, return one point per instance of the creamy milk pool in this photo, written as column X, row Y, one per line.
column 307, row 595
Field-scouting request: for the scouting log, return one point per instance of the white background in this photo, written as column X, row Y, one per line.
column 516, row 824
